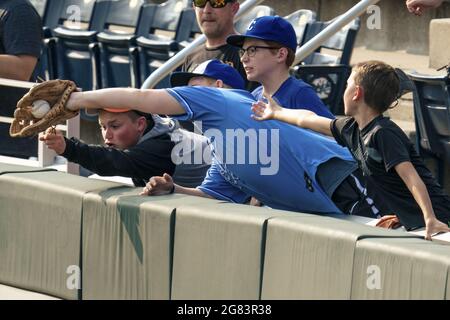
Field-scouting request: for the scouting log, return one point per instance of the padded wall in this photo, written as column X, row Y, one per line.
column 40, row 229
column 311, row 257
column 219, row 251
column 127, row 244
column 400, row 269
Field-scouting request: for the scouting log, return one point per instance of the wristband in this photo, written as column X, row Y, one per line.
column 173, row 189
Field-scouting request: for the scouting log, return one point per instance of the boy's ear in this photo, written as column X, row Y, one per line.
column 142, row 123
column 235, row 7
column 359, row 93
column 282, row 54
column 219, row 83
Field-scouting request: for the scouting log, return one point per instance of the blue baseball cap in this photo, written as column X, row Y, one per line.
column 268, row 28
column 214, row 69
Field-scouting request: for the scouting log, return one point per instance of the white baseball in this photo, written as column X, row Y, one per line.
column 40, row 108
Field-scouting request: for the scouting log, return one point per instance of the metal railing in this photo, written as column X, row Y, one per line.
column 45, row 158
column 308, row 48
column 340, row 22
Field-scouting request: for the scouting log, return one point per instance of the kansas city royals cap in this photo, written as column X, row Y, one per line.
column 268, row 28
column 214, row 69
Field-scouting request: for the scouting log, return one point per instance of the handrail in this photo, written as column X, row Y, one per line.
column 334, row 27
column 180, row 57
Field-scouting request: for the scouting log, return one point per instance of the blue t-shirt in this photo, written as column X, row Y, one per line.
column 296, row 94
column 270, row 160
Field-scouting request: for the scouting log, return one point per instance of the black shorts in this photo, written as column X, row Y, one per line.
column 351, row 197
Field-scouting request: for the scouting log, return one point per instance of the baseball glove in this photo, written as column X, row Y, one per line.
column 56, row 93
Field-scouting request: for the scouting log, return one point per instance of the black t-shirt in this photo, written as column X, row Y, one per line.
column 20, row 28
column 151, row 157
column 226, row 53
column 378, row 148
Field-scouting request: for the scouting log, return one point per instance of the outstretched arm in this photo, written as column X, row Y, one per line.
column 156, row 101
column 409, row 175
column 299, row 117
column 158, row 186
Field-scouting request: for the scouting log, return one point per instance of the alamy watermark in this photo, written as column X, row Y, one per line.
column 252, row 146
column 374, row 19
column 73, row 281
column 373, row 281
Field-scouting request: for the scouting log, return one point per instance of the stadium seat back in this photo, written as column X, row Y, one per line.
column 341, row 43
column 299, row 20
column 432, row 116
column 163, row 36
column 259, row 11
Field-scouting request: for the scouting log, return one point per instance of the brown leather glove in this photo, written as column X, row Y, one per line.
column 56, row 93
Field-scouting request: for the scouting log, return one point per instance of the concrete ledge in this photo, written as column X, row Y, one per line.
column 6, row 168
column 439, row 42
column 11, row 293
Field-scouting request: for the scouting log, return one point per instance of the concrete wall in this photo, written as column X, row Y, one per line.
column 399, row 29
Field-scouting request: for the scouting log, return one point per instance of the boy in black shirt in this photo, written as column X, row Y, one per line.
column 138, row 146
column 396, row 177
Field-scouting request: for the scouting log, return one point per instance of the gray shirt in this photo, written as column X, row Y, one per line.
column 191, row 153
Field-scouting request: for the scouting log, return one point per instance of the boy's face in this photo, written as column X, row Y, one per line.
column 349, row 96
column 214, row 22
column 261, row 64
column 119, row 130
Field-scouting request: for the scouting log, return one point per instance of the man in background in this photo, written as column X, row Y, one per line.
column 20, row 39
column 216, row 21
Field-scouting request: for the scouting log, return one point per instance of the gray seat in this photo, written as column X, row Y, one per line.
column 432, row 117
column 299, row 20
column 163, row 33
column 242, row 24
column 341, row 42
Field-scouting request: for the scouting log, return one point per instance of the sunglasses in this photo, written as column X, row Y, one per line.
column 214, row 3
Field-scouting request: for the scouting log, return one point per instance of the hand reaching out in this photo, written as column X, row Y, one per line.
column 418, row 6
column 265, row 111
column 54, row 140
column 158, row 186
column 435, row 226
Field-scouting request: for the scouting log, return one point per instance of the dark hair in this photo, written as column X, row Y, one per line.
column 380, row 83
column 134, row 115
column 291, row 53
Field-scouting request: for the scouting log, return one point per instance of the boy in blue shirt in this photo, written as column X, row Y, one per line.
column 396, row 176
column 262, row 160
column 267, row 51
